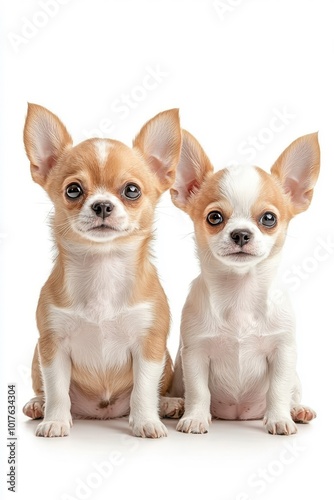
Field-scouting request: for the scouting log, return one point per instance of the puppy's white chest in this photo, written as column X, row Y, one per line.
column 240, row 325
column 100, row 327
column 100, row 286
column 104, row 344
column 238, row 342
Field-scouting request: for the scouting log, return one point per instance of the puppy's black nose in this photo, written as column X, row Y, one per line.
column 102, row 208
column 241, row 237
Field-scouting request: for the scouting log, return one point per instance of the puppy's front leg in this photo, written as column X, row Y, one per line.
column 281, row 365
column 144, row 418
column 196, row 418
column 56, row 374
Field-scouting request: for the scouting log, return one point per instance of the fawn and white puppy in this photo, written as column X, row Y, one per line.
column 237, row 350
column 102, row 316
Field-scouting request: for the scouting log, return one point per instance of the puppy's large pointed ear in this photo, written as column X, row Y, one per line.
column 159, row 141
column 193, row 168
column 45, row 138
column 297, row 169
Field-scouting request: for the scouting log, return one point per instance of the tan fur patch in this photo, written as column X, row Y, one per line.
column 103, row 385
column 148, row 289
column 210, row 198
column 167, row 377
column 36, row 375
column 272, row 199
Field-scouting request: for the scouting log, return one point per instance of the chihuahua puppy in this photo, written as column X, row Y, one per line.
column 238, row 354
column 102, row 316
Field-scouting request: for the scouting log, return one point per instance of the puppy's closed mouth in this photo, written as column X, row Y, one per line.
column 240, row 254
column 103, row 228
column 103, row 231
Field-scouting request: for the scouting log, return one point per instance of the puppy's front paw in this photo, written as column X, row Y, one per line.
column 53, row 428
column 283, row 426
column 150, row 428
column 194, row 425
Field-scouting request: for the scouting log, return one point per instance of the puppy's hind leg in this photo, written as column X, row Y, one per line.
column 300, row 413
column 171, row 406
column 35, row 407
column 177, row 386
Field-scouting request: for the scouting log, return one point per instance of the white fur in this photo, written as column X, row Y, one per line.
column 228, row 336
column 238, row 350
column 100, row 283
column 144, row 420
column 111, row 340
column 102, row 148
column 100, row 315
column 56, row 378
column 241, row 186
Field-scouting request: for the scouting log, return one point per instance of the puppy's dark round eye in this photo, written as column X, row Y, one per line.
column 268, row 219
column 74, row 191
column 131, row 192
column 214, row 218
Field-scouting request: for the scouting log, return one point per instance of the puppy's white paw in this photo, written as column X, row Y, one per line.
column 171, row 407
column 283, row 426
column 53, row 428
column 150, row 428
column 194, row 425
column 34, row 408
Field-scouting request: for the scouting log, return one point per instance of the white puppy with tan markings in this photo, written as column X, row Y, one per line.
column 103, row 316
column 237, row 357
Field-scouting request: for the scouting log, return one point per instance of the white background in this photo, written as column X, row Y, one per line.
column 230, row 70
